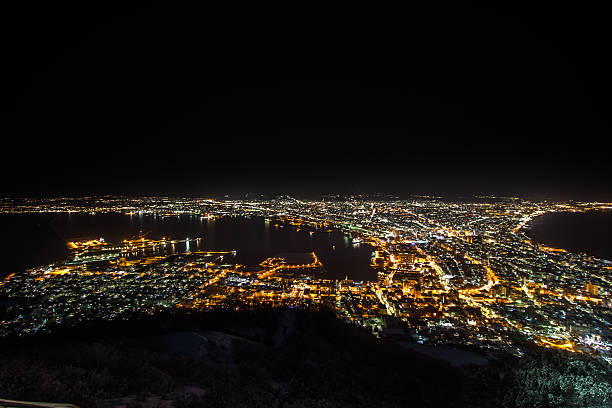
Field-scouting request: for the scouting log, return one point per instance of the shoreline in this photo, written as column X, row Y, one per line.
column 537, row 237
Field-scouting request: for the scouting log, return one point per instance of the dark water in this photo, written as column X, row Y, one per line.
column 589, row 232
column 32, row 240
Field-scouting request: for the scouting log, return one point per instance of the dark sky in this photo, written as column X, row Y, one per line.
column 305, row 100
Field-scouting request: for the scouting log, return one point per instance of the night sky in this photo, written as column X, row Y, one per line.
column 305, row 100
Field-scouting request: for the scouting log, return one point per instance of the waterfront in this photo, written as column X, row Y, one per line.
column 589, row 232
column 35, row 239
column 460, row 274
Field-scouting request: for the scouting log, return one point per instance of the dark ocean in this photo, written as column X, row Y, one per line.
column 37, row 239
column 589, row 232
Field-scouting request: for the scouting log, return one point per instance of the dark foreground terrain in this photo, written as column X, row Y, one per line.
column 278, row 359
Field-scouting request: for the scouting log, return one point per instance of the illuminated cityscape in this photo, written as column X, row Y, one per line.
column 447, row 272
column 293, row 205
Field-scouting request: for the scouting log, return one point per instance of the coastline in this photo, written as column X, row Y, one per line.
column 569, row 232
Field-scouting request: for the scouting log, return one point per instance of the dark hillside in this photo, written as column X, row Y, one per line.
column 274, row 359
